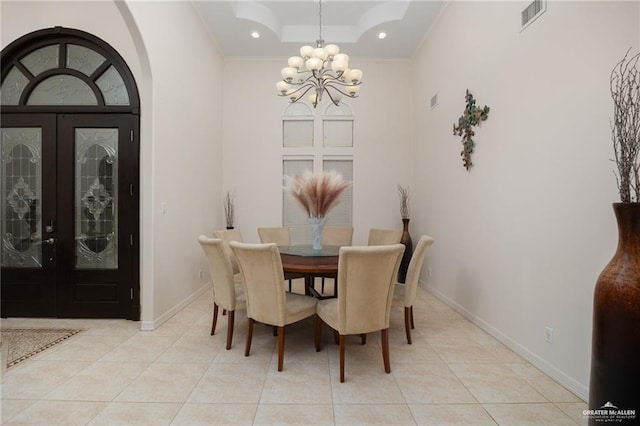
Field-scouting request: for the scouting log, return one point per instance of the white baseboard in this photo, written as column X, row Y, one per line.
column 580, row 390
column 152, row 325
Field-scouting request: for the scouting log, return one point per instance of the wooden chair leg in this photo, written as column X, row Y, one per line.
column 230, row 321
column 335, row 337
column 280, row 347
column 407, row 323
column 215, row 318
column 247, row 348
column 385, row 350
column 290, row 286
column 411, row 308
column 318, row 333
column 363, row 339
column 322, row 287
column 341, row 339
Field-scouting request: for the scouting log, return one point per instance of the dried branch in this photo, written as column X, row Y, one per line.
column 405, row 194
column 625, row 126
column 228, row 209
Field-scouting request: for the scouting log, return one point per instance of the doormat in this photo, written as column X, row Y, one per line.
column 22, row 343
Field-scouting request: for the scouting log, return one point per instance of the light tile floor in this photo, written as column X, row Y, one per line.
column 113, row 373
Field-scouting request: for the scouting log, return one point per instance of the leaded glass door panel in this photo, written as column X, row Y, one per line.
column 97, row 214
column 28, row 209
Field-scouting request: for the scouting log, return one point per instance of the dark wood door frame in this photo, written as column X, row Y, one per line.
column 56, row 118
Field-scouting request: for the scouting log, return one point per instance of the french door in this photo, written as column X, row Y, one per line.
column 70, row 215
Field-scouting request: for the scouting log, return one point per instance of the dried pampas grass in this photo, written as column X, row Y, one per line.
column 317, row 193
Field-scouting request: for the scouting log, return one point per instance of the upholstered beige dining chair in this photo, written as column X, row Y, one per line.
column 267, row 301
column 335, row 236
column 381, row 237
column 227, row 236
column 366, row 278
column 227, row 292
column 406, row 293
column 281, row 236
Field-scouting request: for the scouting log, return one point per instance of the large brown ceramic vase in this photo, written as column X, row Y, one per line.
column 615, row 351
column 408, row 251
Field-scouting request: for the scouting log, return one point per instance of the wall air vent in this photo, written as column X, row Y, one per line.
column 532, row 12
column 434, row 101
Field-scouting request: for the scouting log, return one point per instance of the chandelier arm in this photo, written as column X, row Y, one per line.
column 304, row 72
column 301, row 95
column 336, row 103
column 339, row 79
column 339, row 90
column 310, row 79
column 326, row 75
column 305, row 92
column 316, row 74
column 342, row 83
column 305, row 87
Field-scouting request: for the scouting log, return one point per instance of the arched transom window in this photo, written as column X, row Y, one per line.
column 68, row 72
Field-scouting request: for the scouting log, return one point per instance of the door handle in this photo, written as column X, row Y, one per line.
column 50, row 241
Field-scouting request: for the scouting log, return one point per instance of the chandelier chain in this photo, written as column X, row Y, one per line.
column 320, row 22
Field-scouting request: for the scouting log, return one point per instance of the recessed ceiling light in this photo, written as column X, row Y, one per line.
column 255, row 34
column 382, row 35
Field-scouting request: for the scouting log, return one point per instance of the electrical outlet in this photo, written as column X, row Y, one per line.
column 548, row 334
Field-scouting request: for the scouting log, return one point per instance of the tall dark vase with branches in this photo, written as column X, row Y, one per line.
column 404, row 193
column 615, row 350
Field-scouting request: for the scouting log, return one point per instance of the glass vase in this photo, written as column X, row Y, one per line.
column 317, row 223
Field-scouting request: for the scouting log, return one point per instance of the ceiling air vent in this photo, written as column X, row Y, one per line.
column 532, row 12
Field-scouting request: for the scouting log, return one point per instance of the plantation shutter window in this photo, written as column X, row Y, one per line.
column 312, row 143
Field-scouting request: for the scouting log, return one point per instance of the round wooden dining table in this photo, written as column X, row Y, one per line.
column 304, row 260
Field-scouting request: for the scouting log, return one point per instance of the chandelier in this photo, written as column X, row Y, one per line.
column 321, row 70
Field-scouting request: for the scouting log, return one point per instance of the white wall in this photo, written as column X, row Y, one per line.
column 185, row 172
column 253, row 143
column 523, row 236
column 178, row 73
